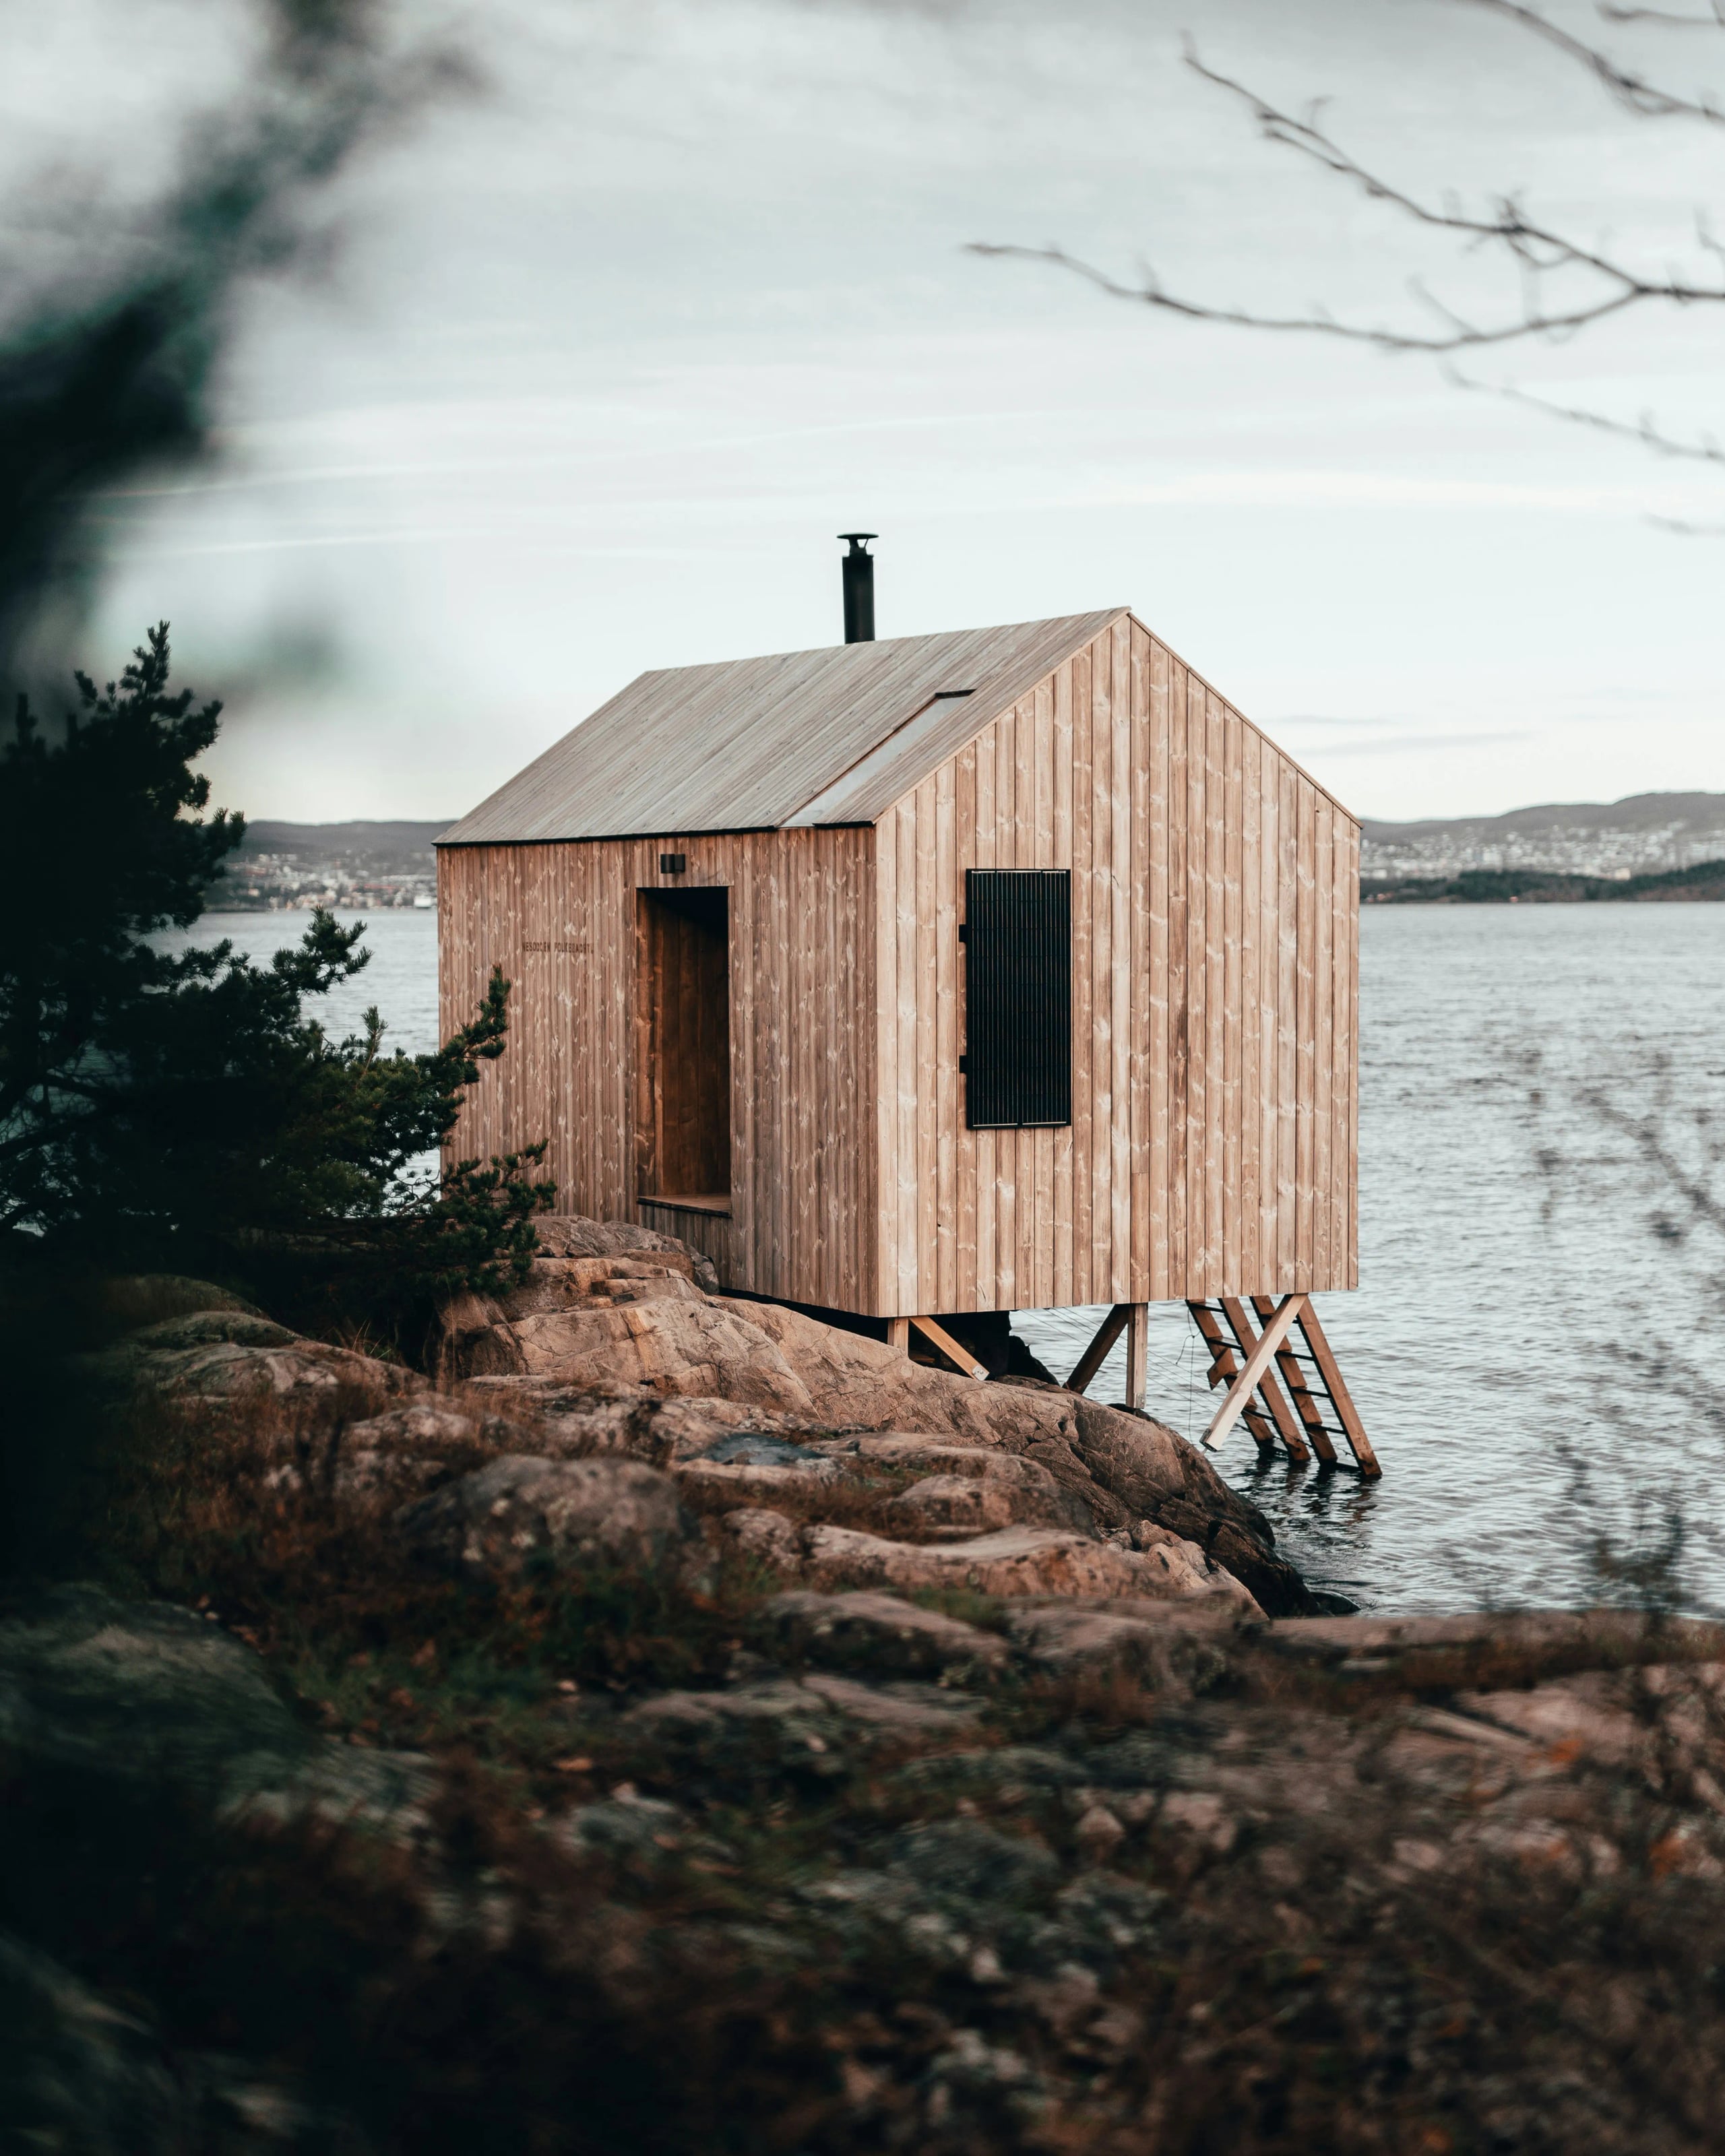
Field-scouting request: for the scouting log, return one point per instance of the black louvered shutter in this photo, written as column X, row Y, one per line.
column 1018, row 998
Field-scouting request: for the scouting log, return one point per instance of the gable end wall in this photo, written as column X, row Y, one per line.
column 1213, row 1148
column 560, row 919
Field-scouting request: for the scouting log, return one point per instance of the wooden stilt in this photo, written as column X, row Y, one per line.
column 1287, row 1429
column 1093, row 1358
column 1332, row 1386
column 1229, row 1349
column 1245, row 1383
column 961, row 1357
column 1138, row 1354
column 898, row 1333
column 1293, row 1377
column 1340, row 1398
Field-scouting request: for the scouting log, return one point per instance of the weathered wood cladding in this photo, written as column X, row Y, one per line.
column 562, row 922
column 1212, row 1144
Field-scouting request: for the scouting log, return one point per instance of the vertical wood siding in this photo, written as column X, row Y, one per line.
column 561, row 921
column 1213, row 1148
column 1213, row 1144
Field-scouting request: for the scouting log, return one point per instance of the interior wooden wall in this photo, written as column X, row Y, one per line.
column 1214, row 896
column 560, row 920
column 683, row 1043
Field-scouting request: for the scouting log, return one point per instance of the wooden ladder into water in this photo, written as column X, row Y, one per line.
column 1310, row 1409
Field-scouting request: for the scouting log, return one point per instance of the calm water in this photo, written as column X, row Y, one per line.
column 1538, row 1345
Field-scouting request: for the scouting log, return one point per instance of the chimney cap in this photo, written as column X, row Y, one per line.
column 859, row 539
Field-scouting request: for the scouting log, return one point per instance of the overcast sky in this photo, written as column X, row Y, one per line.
column 612, row 351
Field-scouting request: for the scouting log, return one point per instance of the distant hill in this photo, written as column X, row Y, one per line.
column 393, row 849
column 1704, row 879
column 356, row 866
column 1643, row 834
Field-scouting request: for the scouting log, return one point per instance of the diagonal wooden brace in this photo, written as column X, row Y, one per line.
column 1353, row 1428
column 960, row 1357
column 1252, row 1370
column 1093, row 1358
column 1270, row 1393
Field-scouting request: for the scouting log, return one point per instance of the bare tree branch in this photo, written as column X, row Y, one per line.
column 1713, row 20
column 1538, row 251
column 1699, row 448
column 1634, row 91
column 1596, row 283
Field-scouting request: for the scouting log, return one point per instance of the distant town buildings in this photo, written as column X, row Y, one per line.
column 1645, row 835
column 367, row 867
column 279, row 883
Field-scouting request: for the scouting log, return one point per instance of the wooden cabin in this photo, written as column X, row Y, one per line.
column 937, row 976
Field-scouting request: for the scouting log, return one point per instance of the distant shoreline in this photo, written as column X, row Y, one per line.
column 1704, row 881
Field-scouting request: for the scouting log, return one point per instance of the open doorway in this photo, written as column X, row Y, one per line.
column 683, row 1026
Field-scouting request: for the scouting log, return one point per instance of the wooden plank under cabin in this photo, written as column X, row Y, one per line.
column 1157, row 1196
column 1060, row 857
column 1085, row 1271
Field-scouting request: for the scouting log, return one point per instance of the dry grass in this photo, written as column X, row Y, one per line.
column 1305, row 1988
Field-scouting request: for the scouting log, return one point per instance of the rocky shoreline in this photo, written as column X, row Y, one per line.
column 674, row 1723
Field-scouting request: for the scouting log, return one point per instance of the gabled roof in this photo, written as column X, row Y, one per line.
column 828, row 737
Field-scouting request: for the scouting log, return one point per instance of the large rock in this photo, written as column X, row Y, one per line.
column 716, row 1484
column 557, row 1284
column 87, row 2074
column 409, row 1451
column 570, row 1235
column 607, row 1513
column 235, row 1355
column 882, row 1633
column 696, row 1348
column 1177, row 1645
column 127, row 1300
column 1016, row 1562
column 852, row 1382
column 134, row 1691
column 1101, row 1470
column 574, row 1421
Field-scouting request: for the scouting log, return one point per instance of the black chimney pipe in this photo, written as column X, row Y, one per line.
column 858, row 567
